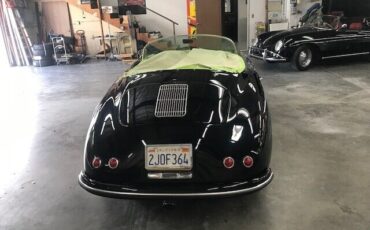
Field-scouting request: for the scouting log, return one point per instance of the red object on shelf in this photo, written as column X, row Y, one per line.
column 355, row 26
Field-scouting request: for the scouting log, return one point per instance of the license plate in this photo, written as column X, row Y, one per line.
column 169, row 157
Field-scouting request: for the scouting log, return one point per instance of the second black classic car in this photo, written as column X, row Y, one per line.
column 190, row 119
column 331, row 32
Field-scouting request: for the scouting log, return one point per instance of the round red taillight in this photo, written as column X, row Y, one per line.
column 113, row 163
column 229, row 162
column 248, row 161
column 96, row 162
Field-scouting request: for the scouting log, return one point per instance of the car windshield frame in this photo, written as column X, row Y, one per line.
column 322, row 21
column 189, row 42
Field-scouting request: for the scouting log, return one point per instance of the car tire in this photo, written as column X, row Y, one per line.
column 43, row 62
column 45, row 50
column 303, row 58
column 42, row 53
column 45, row 46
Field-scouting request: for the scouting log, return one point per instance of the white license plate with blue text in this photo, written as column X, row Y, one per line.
column 169, row 157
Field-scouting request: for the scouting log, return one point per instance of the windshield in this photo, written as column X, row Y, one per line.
column 208, row 42
column 319, row 20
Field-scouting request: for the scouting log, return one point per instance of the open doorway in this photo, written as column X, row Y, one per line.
column 215, row 17
column 230, row 19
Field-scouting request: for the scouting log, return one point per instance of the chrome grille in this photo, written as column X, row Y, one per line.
column 172, row 100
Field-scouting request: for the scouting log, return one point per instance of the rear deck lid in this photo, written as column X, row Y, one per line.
column 179, row 102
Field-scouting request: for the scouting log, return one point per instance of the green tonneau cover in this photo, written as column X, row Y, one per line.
column 190, row 59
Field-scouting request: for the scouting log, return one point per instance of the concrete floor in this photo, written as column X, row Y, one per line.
column 321, row 154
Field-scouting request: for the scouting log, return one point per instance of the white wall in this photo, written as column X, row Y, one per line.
column 257, row 13
column 91, row 25
column 249, row 14
column 109, row 2
column 242, row 24
column 173, row 9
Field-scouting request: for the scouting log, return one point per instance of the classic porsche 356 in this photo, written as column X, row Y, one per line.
column 340, row 29
column 190, row 119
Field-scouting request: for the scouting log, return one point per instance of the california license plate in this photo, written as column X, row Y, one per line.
column 169, row 157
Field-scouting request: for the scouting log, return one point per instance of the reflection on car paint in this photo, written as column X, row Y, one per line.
column 237, row 133
column 244, row 112
column 108, row 120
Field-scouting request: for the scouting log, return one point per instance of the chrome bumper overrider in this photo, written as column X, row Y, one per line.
column 116, row 191
column 266, row 55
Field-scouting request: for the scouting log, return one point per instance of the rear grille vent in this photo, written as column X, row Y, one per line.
column 172, row 100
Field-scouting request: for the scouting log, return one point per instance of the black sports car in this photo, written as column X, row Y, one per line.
column 190, row 119
column 324, row 36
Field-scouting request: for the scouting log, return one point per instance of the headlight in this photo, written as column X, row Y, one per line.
column 255, row 42
column 279, row 45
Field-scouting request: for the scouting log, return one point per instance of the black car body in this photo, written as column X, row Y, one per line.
column 328, row 33
column 139, row 142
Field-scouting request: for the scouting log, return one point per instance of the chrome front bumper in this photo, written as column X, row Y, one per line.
column 266, row 55
column 122, row 191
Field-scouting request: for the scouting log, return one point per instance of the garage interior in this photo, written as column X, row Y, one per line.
column 320, row 121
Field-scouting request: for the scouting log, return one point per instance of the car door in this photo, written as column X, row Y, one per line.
column 365, row 40
column 354, row 41
column 331, row 43
column 343, row 43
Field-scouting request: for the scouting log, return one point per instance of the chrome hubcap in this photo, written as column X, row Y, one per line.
column 305, row 58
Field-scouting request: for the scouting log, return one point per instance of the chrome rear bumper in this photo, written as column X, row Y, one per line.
column 121, row 191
